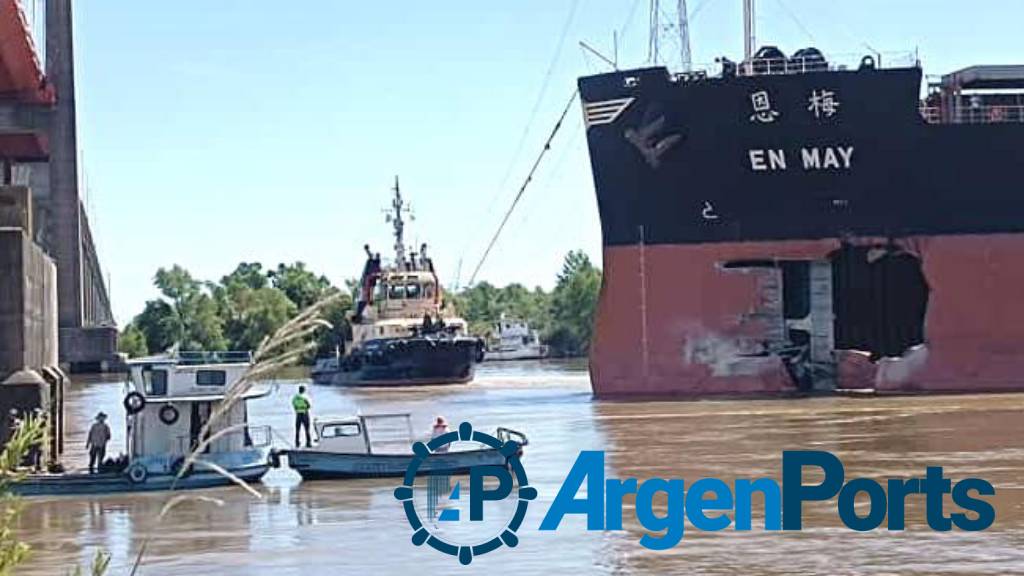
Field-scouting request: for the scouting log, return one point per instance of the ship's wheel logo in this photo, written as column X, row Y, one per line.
column 471, row 521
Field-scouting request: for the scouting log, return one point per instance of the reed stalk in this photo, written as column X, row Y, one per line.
column 278, row 351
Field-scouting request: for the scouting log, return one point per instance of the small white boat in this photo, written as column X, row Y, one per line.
column 168, row 401
column 514, row 340
column 380, row 446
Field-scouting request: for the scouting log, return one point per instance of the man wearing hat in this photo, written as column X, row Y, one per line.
column 96, row 442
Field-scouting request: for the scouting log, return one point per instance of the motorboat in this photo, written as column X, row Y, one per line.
column 381, row 446
column 513, row 339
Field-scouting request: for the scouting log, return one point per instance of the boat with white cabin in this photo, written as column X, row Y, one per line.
column 168, row 401
column 513, row 339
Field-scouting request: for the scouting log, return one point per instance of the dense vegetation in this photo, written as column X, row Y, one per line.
column 562, row 316
column 250, row 303
column 236, row 313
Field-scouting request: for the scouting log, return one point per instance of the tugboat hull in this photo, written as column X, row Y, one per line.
column 407, row 362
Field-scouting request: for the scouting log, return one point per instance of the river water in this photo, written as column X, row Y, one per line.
column 356, row 527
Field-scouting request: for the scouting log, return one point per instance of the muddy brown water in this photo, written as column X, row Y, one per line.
column 356, row 527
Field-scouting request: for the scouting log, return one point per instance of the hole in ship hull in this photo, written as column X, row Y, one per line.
column 880, row 298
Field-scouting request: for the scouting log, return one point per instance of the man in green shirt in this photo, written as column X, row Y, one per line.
column 301, row 404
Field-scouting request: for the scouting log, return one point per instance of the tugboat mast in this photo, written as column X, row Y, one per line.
column 398, row 205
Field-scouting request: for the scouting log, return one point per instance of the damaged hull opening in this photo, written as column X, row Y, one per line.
column 920, row 315
column 880, row 298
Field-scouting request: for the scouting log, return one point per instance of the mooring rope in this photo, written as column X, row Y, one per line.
column 529, row 178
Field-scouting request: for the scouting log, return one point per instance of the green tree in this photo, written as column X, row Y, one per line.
column 479, row 306
column 328, row 341
column 256, row 314
column 573, row 302
column 247, row 274
column 159, row 324
column 300, row 285
column 195, row 321
column 132, row 341
column 483, row 304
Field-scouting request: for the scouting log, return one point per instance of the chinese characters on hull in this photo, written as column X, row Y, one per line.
column 763, row 112
column 823, row 104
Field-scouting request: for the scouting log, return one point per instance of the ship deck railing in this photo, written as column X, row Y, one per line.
column 995, row 114
column 200, row 357
column 803, row 65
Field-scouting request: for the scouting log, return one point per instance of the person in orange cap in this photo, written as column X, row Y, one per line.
column 440, row 428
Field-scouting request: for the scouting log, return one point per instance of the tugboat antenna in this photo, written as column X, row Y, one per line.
column 396, row 220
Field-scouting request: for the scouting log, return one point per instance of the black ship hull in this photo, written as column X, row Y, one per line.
column 414, row 361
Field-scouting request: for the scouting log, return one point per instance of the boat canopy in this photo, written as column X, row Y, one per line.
column 252, row 394
column 206, row 376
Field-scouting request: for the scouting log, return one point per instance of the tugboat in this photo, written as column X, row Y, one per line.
column 514, row 340
column 404, row 332
column 168, row 401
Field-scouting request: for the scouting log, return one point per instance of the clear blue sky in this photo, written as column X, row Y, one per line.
column 250, row 130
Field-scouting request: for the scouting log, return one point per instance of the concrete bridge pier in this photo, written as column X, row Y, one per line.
column 88, row 334
column 30, row 380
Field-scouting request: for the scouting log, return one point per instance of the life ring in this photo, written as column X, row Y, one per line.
column 867, row 62
column 168, row 414
column 137, row 473
column 134, row 402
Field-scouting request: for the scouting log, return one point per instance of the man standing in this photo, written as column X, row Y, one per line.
column 96, row 442
column 301, row 403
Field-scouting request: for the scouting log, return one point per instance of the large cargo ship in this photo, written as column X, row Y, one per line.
column 792, row 225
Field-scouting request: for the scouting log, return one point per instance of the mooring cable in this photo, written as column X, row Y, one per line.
column 529, row 178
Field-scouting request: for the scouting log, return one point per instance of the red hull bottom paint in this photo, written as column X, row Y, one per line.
column 672, row 321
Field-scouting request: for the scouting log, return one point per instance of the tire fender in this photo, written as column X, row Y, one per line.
column 137, row 473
